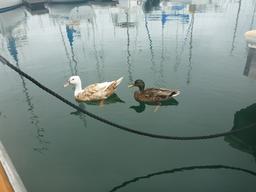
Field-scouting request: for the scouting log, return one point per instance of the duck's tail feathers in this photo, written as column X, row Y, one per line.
column 175, row 93
column 118, row 81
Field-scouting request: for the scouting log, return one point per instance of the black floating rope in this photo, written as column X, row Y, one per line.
column 189, row 168
column 124, row 128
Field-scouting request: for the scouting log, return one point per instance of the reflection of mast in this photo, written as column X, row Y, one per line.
column 96, row 55
column 70, row 33
column 235, row 29
column 254, row 9
column 183, row 46
column 176, row 49
column 161, row 69
column 33, row 117
column 102, row 52
column 190, row 50
column 128, row 50
column 137, row 32
column 150, row 45
column 66, row 51
column 81, row 115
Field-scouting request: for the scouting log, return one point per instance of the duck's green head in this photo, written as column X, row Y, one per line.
column 138, row 83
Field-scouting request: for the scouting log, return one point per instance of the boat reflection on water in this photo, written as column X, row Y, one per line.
column 125, row 14
column 142, row 106
column 246, row 140
column 150, row 5
column 6, row 5
column 60, row 12
column 84, row 12
column 11, row 30
column 10, row 22
column 71, row 16
column 250, row 66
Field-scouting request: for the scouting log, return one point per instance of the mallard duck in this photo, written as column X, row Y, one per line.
column 93, row 92
column 152, row 95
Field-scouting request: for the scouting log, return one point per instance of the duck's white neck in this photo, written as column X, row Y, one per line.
column 78, row 88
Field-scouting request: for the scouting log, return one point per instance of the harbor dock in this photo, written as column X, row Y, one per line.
column 9, row 178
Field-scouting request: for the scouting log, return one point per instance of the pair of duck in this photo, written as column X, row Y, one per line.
column 102, row 91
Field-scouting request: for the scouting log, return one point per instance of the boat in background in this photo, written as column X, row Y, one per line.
column 6, row 5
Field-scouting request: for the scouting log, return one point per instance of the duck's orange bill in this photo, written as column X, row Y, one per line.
column 5, row 185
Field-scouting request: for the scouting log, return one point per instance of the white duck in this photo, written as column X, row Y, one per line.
column 93, row 92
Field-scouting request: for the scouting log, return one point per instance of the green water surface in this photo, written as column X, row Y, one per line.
column 195, row 46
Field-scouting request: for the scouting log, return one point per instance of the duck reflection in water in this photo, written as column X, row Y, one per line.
column 79, row 114
column 114, row 98
column 153, row 96
column 246, row 140
column 142, row 105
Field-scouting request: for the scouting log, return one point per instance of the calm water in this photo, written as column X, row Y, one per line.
column 198, row 48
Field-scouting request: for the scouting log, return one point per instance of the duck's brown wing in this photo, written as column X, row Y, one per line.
column 111, row 88
column 168, row 92
column 90, row 93
column 97, row 91
column 161, row 94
